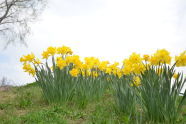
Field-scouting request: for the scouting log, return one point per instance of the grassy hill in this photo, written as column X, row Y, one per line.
column 25, row 105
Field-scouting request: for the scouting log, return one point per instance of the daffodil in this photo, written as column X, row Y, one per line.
column 61, row 63
column 74, row 72
column 103, row 65
column 28, row 68
column 108, row 70
column 146, row 57
column 136, row 81
column 181, row 59
column 175, row 75
column 45, row 55
column 133, row 65
column 37, row 61
column 119, row 74
column 135, row 58
column 51, row 50
column 95, row 74
column 64, row 50
column 160, row 57
column 27, row 58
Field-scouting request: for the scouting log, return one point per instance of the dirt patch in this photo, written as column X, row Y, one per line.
column 80, row 121
column 1, row 112
column 6, row 94
column 5, row 88
column 21, row 112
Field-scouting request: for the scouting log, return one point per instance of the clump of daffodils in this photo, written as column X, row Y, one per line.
column 135, row 82
column 30, row 62
column 93, row 67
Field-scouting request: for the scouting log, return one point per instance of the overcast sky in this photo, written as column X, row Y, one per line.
column 109, row 29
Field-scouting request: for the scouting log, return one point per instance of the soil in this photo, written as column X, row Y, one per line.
column 5, row 88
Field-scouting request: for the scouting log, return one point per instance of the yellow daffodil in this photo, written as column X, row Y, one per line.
column 27, row 58
column 108, row 70
column 64, row 50
column 95, row 74
column 181, row 59
column 45, row 55
column 133, row 65
column 146, row 57
column 119, row 74
column 51, row 51
column 74, row 72
column 175, row 75
column 160, row 57
column 135, row 58
column 61, row 63
column 136, row 81
column 103, row 65
column 28, row 68
column 37, row 61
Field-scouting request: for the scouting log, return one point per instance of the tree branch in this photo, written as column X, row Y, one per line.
column 7, row 10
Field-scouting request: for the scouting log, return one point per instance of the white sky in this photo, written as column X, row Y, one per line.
column 109, row 29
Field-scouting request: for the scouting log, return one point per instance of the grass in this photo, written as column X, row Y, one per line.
column 25, row 105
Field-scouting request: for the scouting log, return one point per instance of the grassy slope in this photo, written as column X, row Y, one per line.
column 25, row 105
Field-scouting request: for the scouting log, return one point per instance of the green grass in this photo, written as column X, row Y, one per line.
column 25, row 105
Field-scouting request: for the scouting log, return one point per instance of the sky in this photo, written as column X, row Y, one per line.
column 108, row 29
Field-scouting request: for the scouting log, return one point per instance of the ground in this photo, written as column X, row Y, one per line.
column 25, row 105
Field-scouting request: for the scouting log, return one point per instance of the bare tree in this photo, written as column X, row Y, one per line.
column 15, row 16
column 5, row 82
